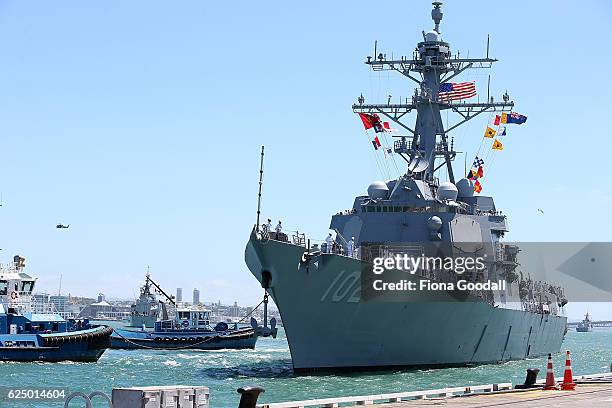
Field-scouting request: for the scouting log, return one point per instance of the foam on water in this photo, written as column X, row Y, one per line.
column 269, row 366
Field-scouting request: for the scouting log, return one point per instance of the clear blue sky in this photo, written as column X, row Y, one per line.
column 139, row 123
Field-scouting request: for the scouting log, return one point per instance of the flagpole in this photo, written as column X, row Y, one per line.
column 260, row 183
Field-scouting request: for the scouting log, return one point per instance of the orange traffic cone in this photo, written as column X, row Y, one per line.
column 568, row 381
column 550, row 376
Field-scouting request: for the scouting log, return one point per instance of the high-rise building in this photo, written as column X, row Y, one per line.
column 179, row 294
column 196, row 297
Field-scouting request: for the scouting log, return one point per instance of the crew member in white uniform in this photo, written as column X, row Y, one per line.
column 278, row 228
column 268, row 226
column 350, row 248
column 329, row 241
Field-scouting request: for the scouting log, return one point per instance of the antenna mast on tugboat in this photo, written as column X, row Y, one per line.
column 434, row 65
column 159, row 289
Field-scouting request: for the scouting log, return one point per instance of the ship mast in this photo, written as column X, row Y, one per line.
column 431, row 64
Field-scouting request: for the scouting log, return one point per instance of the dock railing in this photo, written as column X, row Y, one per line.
column 392, row 397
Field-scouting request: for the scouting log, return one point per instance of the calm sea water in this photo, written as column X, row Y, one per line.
column 269, row 366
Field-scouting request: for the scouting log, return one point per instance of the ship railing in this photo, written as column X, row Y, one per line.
column 291, row 236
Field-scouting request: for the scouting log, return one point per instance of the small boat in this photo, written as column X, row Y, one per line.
column 28, row 336
column 586, row 325
column 190, row 329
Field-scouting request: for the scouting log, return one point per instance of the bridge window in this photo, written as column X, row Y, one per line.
column 378, row 209
column 27, row 286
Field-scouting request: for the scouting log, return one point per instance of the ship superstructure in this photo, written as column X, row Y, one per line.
column 318, row 290
column 147, row 307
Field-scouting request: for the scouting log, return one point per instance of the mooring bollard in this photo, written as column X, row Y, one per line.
column 248, row 396
column 530, row 380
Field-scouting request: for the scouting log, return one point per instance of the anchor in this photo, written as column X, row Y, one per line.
column 264, row 330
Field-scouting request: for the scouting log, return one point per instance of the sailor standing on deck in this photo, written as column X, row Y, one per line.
column 268, row 226
column 279, row 227
column 350, row 248
column 330, row 242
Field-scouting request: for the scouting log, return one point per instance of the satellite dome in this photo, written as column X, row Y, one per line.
column 432, row 36
column 465, row 188
column 447, row 191
column 434, row 223
column 378, row 189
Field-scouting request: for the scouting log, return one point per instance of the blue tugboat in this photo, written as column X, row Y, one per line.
column 28, row 336
column 191, row 329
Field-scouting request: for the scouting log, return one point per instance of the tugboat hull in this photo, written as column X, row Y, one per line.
column 80, row 346
column 130, row 339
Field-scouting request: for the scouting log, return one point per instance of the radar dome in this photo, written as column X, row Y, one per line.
column 465, row 188
column 447, row 191
column 378, row 189
column 432, row 36
column 434, row 223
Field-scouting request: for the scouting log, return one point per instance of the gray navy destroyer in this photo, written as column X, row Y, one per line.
column 318, row 290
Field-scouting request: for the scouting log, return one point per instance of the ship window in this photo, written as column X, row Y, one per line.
column 406, row 209
column 371, row 208
column 3, row 287
column 27, row 286
column 385, row 208
column 378, row 209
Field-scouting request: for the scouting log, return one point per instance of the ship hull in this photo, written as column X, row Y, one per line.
column 138, row 321
column 328, row 327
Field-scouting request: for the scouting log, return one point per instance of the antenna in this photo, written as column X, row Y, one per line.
column 487, row 45
column 488, row 86
column 59, row 292
column 436, row 15
column 260, row 184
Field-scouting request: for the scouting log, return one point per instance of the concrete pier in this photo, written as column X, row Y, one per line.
column 586, row 395
column 594, row 390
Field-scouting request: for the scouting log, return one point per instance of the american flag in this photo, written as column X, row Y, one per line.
column 450, row 91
